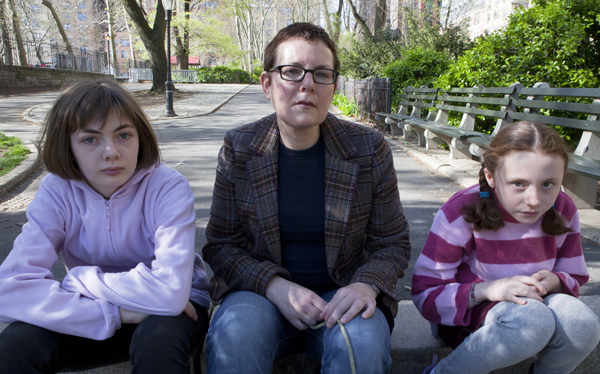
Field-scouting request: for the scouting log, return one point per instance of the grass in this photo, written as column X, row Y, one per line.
column 12, row 152
column 347, row 107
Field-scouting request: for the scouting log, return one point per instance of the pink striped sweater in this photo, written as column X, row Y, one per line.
column 455, row 256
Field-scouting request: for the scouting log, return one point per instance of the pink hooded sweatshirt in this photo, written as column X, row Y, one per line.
column 135, row 251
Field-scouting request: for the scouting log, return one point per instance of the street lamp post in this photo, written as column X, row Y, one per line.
column 169, row 112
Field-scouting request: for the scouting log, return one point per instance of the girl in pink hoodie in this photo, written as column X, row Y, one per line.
column 135, row 288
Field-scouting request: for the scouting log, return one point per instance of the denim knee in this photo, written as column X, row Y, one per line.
column 533, row 323
column 370, row 340
column 575, row 322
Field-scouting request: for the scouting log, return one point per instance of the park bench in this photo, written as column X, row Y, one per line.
column 562, row 107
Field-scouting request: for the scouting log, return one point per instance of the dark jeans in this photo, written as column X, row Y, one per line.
column 159, row 344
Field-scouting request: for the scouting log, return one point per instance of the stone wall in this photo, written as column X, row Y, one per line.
column 23, row 76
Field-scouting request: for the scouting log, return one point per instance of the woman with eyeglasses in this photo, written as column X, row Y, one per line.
column 306, row 226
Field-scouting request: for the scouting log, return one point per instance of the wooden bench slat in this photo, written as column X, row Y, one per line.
column 476, row 111
column 559, row 121
column 484, row 90
column 569, row 92
column 475, row 100
column 555, row 105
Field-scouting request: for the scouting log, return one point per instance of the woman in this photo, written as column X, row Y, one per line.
column 306, row 225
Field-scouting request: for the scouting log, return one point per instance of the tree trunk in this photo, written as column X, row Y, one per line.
column 18, row 38
column 182, row 45
column 360, row 21
column 337, row 22
column 380, row 16
column 61, row 30
column 132, row 51
column 153, row 39
column 8, row 57
column 111, row 38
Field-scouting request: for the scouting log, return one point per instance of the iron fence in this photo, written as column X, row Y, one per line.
column 370, row 95
column 55, row 55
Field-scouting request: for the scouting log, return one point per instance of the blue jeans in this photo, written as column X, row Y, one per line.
column 561, row 331
column 159, row 344
column 248, row 334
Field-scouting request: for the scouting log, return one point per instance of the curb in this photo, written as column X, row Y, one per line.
column 22, row 171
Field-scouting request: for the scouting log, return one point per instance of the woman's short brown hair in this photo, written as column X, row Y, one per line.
column 82, row 104
column 301, row 30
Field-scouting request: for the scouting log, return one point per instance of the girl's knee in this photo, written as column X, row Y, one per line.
column 533, row 321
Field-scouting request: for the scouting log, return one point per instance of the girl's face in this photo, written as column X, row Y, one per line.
column 527, row 183
column 108, row 157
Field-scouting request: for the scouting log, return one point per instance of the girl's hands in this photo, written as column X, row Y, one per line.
column 190, row 311
column 549, row 280
column 512, row 289
column 127, row 316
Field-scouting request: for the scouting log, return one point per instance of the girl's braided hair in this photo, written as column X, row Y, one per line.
column 519, row 136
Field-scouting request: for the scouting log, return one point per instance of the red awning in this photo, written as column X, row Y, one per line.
column 191, row 60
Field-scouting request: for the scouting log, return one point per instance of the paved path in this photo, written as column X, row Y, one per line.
column 191, row 145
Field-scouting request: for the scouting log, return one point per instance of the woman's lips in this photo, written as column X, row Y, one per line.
column 112, row 171
column 305, row 104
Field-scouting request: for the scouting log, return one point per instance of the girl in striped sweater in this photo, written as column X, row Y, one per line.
column 501, row 269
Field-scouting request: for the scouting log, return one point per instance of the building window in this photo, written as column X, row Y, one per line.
column 83, row 49
column 122, row 54
column 81, row 16
column 67, row 26
column 81, row 5
column 125, row 42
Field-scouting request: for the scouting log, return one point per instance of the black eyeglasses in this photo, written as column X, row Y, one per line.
column 296, row 74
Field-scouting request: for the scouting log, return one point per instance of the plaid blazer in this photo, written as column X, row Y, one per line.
column 366, row 233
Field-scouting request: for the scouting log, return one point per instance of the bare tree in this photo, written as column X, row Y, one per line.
column 17, row 31
column 6, row 44
column 153, row 39
column 59, row 25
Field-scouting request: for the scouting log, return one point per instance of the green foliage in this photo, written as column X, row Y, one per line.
column 347, row 107
column 368, row 58
column 258, row 69
column 417, row 67
column 13, row 152
column 554, row 42
column 221, row 74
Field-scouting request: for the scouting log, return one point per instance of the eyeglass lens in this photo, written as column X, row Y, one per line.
column 296, row 73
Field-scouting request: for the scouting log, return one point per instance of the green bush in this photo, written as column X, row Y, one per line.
column 221, row 74
column 554, row 42
column 347, row 107
column 13, row 152
column 417, row 67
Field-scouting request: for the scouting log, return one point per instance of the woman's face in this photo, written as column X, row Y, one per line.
column 300, row 106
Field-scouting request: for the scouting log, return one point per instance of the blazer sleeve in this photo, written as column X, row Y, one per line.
column 230, row 243
column 387, row 239
column 28, row 290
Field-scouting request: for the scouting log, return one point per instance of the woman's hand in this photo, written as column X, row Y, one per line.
column 512, row 289
column 549, row 280
column 127, row 316
column 297, row 304
column 348, row 302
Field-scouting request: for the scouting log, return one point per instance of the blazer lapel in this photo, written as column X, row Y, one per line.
column 262, row 173
column 340, row 182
